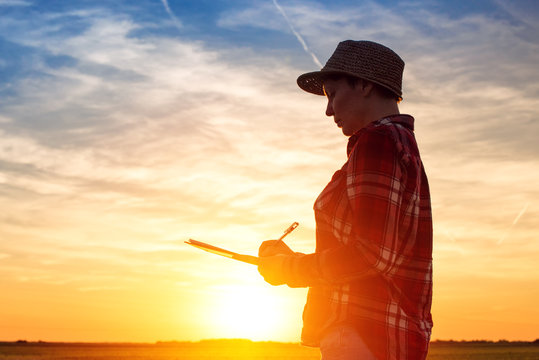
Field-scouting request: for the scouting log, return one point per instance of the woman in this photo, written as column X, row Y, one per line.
column 370, row 278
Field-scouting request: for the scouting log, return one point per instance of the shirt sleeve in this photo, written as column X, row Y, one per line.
column 375, row 187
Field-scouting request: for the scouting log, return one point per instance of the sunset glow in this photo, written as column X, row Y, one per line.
column 127, row 129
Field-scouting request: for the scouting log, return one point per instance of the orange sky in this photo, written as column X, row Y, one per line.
column 109, row 165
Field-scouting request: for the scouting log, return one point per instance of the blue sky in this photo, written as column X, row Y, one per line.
column 127, row 127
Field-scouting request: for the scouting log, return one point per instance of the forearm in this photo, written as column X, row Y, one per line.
column 331, row 266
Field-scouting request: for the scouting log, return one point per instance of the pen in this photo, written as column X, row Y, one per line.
column 289, row 230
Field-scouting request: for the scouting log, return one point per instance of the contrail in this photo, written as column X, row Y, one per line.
column 298, row 36
column 514, row 222
column 176, row 21
column 521, row 213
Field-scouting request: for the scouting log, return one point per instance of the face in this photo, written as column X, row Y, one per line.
column 345, row 104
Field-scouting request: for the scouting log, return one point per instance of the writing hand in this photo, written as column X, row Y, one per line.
column 274, row 247
column 271, row 268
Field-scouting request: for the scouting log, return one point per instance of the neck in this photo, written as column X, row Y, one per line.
column 381, row 108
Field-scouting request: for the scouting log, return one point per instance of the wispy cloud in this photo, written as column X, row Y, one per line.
column 93, row 134
column 116, row 143
column 15, row 3
column 118, row 134
column 450, row 77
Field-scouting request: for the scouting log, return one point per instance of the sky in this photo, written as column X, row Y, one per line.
column 128, row 127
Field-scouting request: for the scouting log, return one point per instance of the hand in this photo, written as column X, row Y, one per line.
column 274, row 247
column 271, row 268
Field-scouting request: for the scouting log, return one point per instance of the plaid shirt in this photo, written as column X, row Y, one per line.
column 373, row 262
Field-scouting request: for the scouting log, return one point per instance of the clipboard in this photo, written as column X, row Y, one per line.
column 249, row 259
column 253, row 260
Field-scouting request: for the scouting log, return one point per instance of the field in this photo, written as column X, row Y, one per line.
column 243, row 349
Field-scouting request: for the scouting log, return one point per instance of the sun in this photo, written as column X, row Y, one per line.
column 253, row 312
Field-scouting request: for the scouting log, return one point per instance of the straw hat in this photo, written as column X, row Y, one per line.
column 363, row 59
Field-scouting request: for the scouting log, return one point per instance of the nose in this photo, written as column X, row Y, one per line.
column 329, row 109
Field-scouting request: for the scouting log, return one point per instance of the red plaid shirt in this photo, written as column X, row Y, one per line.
column 372, row 267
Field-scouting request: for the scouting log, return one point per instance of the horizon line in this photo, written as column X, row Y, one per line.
column 230, row 340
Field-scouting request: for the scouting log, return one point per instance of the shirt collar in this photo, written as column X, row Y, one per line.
column 402, row 119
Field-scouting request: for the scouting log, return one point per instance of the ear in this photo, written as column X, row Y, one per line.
column 367, row 88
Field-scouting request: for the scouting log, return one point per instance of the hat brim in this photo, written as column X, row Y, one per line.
column 313, row 82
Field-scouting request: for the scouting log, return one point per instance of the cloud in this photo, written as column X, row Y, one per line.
column 15, row 3
column 116, row 144
column 525, row 14
column 471, row 80
column 476, row 95
column 159, row 132
column 120, row 102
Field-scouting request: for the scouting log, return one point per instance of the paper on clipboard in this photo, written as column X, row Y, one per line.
column 226, row 253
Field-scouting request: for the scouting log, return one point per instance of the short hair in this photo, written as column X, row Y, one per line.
column 354, row 80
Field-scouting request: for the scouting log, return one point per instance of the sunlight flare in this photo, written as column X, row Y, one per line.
column 252, row 312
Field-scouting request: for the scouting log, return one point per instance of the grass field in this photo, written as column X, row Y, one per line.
column 243, row 349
